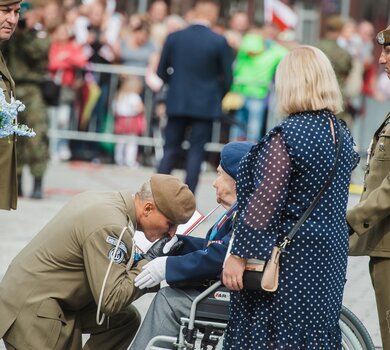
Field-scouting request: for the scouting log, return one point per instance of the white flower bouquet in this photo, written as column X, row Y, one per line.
column 8, row 121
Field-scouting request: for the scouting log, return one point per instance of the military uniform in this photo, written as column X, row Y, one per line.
column 8, row 179
column 370, row 220
column 49, row 293
column 27, row 57
column 340, row 58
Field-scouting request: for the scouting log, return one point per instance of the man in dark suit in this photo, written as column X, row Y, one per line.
column 199, row 263
column 196, row 63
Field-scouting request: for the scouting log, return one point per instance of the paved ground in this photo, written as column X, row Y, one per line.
column 66, row 179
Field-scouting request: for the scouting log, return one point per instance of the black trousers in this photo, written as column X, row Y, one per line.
column 199, row 132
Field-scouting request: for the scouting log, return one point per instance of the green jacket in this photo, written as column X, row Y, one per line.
column 61, row 271
column 26, row 54
column 8, row 179
column 255, row 66
column 341, row 60
column 370, row 219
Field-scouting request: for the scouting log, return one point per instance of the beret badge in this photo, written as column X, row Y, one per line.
column 381, row 38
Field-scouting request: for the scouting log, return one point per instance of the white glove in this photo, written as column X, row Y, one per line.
column 171, row 242
column 153, row 273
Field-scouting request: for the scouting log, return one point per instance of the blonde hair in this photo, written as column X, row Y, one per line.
column 305, row 81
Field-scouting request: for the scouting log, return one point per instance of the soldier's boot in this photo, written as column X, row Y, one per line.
column 20, row 190
column 37, row 191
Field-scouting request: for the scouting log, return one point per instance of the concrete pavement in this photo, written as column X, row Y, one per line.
column 66, row 179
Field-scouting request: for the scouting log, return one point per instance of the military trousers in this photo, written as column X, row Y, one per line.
column 380, row 277
column 65, row 331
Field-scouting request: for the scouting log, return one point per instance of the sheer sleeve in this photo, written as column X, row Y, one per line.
column 262, row 189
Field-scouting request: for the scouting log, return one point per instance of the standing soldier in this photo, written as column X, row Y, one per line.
column 340, row 58
column 9, row 16
column 369, row 220
column 27, row 57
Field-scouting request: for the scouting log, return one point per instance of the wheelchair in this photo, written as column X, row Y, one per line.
column 205, row 326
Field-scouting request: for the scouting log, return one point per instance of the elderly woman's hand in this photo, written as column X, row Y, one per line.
column 233, row 272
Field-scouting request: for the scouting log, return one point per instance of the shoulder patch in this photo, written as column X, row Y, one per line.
column 120, row 253
column 113, row 241
column 119, row 256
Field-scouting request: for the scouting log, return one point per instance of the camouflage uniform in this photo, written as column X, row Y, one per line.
column 27, row 56
column 342, row 64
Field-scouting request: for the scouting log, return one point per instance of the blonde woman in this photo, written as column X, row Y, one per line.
column 276, row 183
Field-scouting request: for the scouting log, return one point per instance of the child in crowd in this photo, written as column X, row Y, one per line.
column 129, row 115
column 65, row 57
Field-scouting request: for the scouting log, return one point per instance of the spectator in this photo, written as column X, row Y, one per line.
column 254, row 71
column 157, row 14
column 196, row 64
column 350, row 40
column 53, row 13
column 276, row 182
column 65, row 57
column 366, row 32
column 158, row 11
column 239, row 22
column 97, row 31
column 135, row 47
column 129, row 119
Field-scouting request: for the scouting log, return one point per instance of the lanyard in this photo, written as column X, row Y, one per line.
column 221, row 221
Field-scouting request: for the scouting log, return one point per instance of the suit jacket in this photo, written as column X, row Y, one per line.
column 370, row 219
column 61, row 270
column 201, row 258
column 8, row 179
column 196, row 63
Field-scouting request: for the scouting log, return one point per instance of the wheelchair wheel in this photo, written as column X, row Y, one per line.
column 354, row 335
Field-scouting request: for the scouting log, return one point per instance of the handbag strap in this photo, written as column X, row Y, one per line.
column 287, row 240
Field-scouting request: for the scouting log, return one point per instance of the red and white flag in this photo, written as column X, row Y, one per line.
column 275, row 11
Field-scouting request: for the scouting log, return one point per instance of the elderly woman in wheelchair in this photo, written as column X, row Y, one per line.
column 199, row 263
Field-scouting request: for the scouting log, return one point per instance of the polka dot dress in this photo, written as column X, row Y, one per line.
column 277, row 181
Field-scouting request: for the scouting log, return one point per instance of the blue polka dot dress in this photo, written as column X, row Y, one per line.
column 277, row 181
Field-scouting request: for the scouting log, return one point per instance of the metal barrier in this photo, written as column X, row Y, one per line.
column 150, row 138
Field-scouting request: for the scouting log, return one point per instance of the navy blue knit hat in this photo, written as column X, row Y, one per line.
column 231, row 155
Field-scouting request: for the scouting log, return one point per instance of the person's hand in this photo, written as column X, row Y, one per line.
column 163, row 247
column 233, row 272
column 153, row 273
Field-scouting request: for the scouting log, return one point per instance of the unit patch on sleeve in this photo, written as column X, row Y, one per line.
column 120, row 253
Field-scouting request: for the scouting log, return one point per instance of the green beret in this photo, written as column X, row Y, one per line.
column 172, row 198
column 9, row 2
column 383, row 37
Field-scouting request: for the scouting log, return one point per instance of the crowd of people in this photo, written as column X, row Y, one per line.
column 83, row 262
column 70, row 36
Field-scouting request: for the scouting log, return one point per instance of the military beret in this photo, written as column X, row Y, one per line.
column 172, row 198
column 383, row 37
column 9, row 2
column 231, row 155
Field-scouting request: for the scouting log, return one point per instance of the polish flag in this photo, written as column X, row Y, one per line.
column 275, row 11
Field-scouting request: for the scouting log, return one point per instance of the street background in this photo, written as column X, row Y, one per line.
column 64, row 180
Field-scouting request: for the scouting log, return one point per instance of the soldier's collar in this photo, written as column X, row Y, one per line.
column 130, row 207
